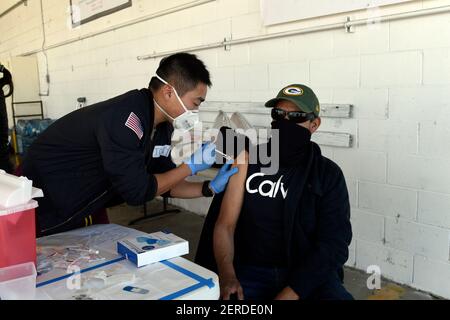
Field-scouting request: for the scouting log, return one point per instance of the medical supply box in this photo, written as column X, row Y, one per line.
column 152, row 248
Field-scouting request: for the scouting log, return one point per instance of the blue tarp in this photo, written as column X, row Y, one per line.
column 28, row 130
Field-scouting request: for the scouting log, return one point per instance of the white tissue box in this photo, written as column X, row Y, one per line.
column 152, row 248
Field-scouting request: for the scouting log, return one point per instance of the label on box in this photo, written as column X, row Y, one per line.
column 152, row 248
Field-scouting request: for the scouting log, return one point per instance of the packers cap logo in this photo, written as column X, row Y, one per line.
column 293, row 91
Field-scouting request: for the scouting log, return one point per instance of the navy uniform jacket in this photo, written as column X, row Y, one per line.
column 96, row 156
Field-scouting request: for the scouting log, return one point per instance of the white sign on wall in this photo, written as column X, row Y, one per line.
column 83, row 11
column 281, row 11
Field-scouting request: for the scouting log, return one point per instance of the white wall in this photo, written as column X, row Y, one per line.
column 396, row 74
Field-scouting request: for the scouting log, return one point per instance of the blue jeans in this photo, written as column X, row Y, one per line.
column 261, row 283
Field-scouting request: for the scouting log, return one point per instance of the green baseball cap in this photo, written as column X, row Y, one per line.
column 302, row 96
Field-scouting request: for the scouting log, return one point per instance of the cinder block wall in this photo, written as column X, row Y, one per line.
column 397, row 75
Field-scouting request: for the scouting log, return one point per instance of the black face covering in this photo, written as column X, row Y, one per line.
column 294, row 142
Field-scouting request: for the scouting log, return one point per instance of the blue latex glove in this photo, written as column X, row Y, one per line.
column 219, row 183
column 203, row 158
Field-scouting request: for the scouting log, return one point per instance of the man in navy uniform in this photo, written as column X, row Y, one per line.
column 5, row 82
column 116, row 151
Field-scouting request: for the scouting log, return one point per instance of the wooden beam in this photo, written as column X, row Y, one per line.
column 336, row 111
column 327, row 110
column 333, row 139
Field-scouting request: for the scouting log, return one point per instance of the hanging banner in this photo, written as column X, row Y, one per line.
column 83, row 11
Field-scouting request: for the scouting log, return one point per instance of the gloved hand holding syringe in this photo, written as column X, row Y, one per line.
column 187, row 143
column 227, row 157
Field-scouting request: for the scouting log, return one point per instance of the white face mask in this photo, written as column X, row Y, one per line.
column 185, row 121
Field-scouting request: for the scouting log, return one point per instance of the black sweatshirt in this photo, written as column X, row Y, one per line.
column 93, row 156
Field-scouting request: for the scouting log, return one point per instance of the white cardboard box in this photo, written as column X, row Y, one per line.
column 152, row 248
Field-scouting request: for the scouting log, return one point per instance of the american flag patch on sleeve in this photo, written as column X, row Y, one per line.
column 134, row 124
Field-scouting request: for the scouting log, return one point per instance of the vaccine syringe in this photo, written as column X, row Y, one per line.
column 224, row 155
column 227, row 157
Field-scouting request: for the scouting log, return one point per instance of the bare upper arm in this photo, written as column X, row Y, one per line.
column 234, row 194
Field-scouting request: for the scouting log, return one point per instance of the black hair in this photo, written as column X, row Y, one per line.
column 182, row 70
column 6, row 80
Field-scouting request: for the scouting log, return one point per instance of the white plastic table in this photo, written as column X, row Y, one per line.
column 83, row 265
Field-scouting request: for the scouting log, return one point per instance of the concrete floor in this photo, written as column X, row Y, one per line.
column 189, row 225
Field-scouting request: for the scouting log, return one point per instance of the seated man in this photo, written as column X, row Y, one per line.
column 286, row 235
